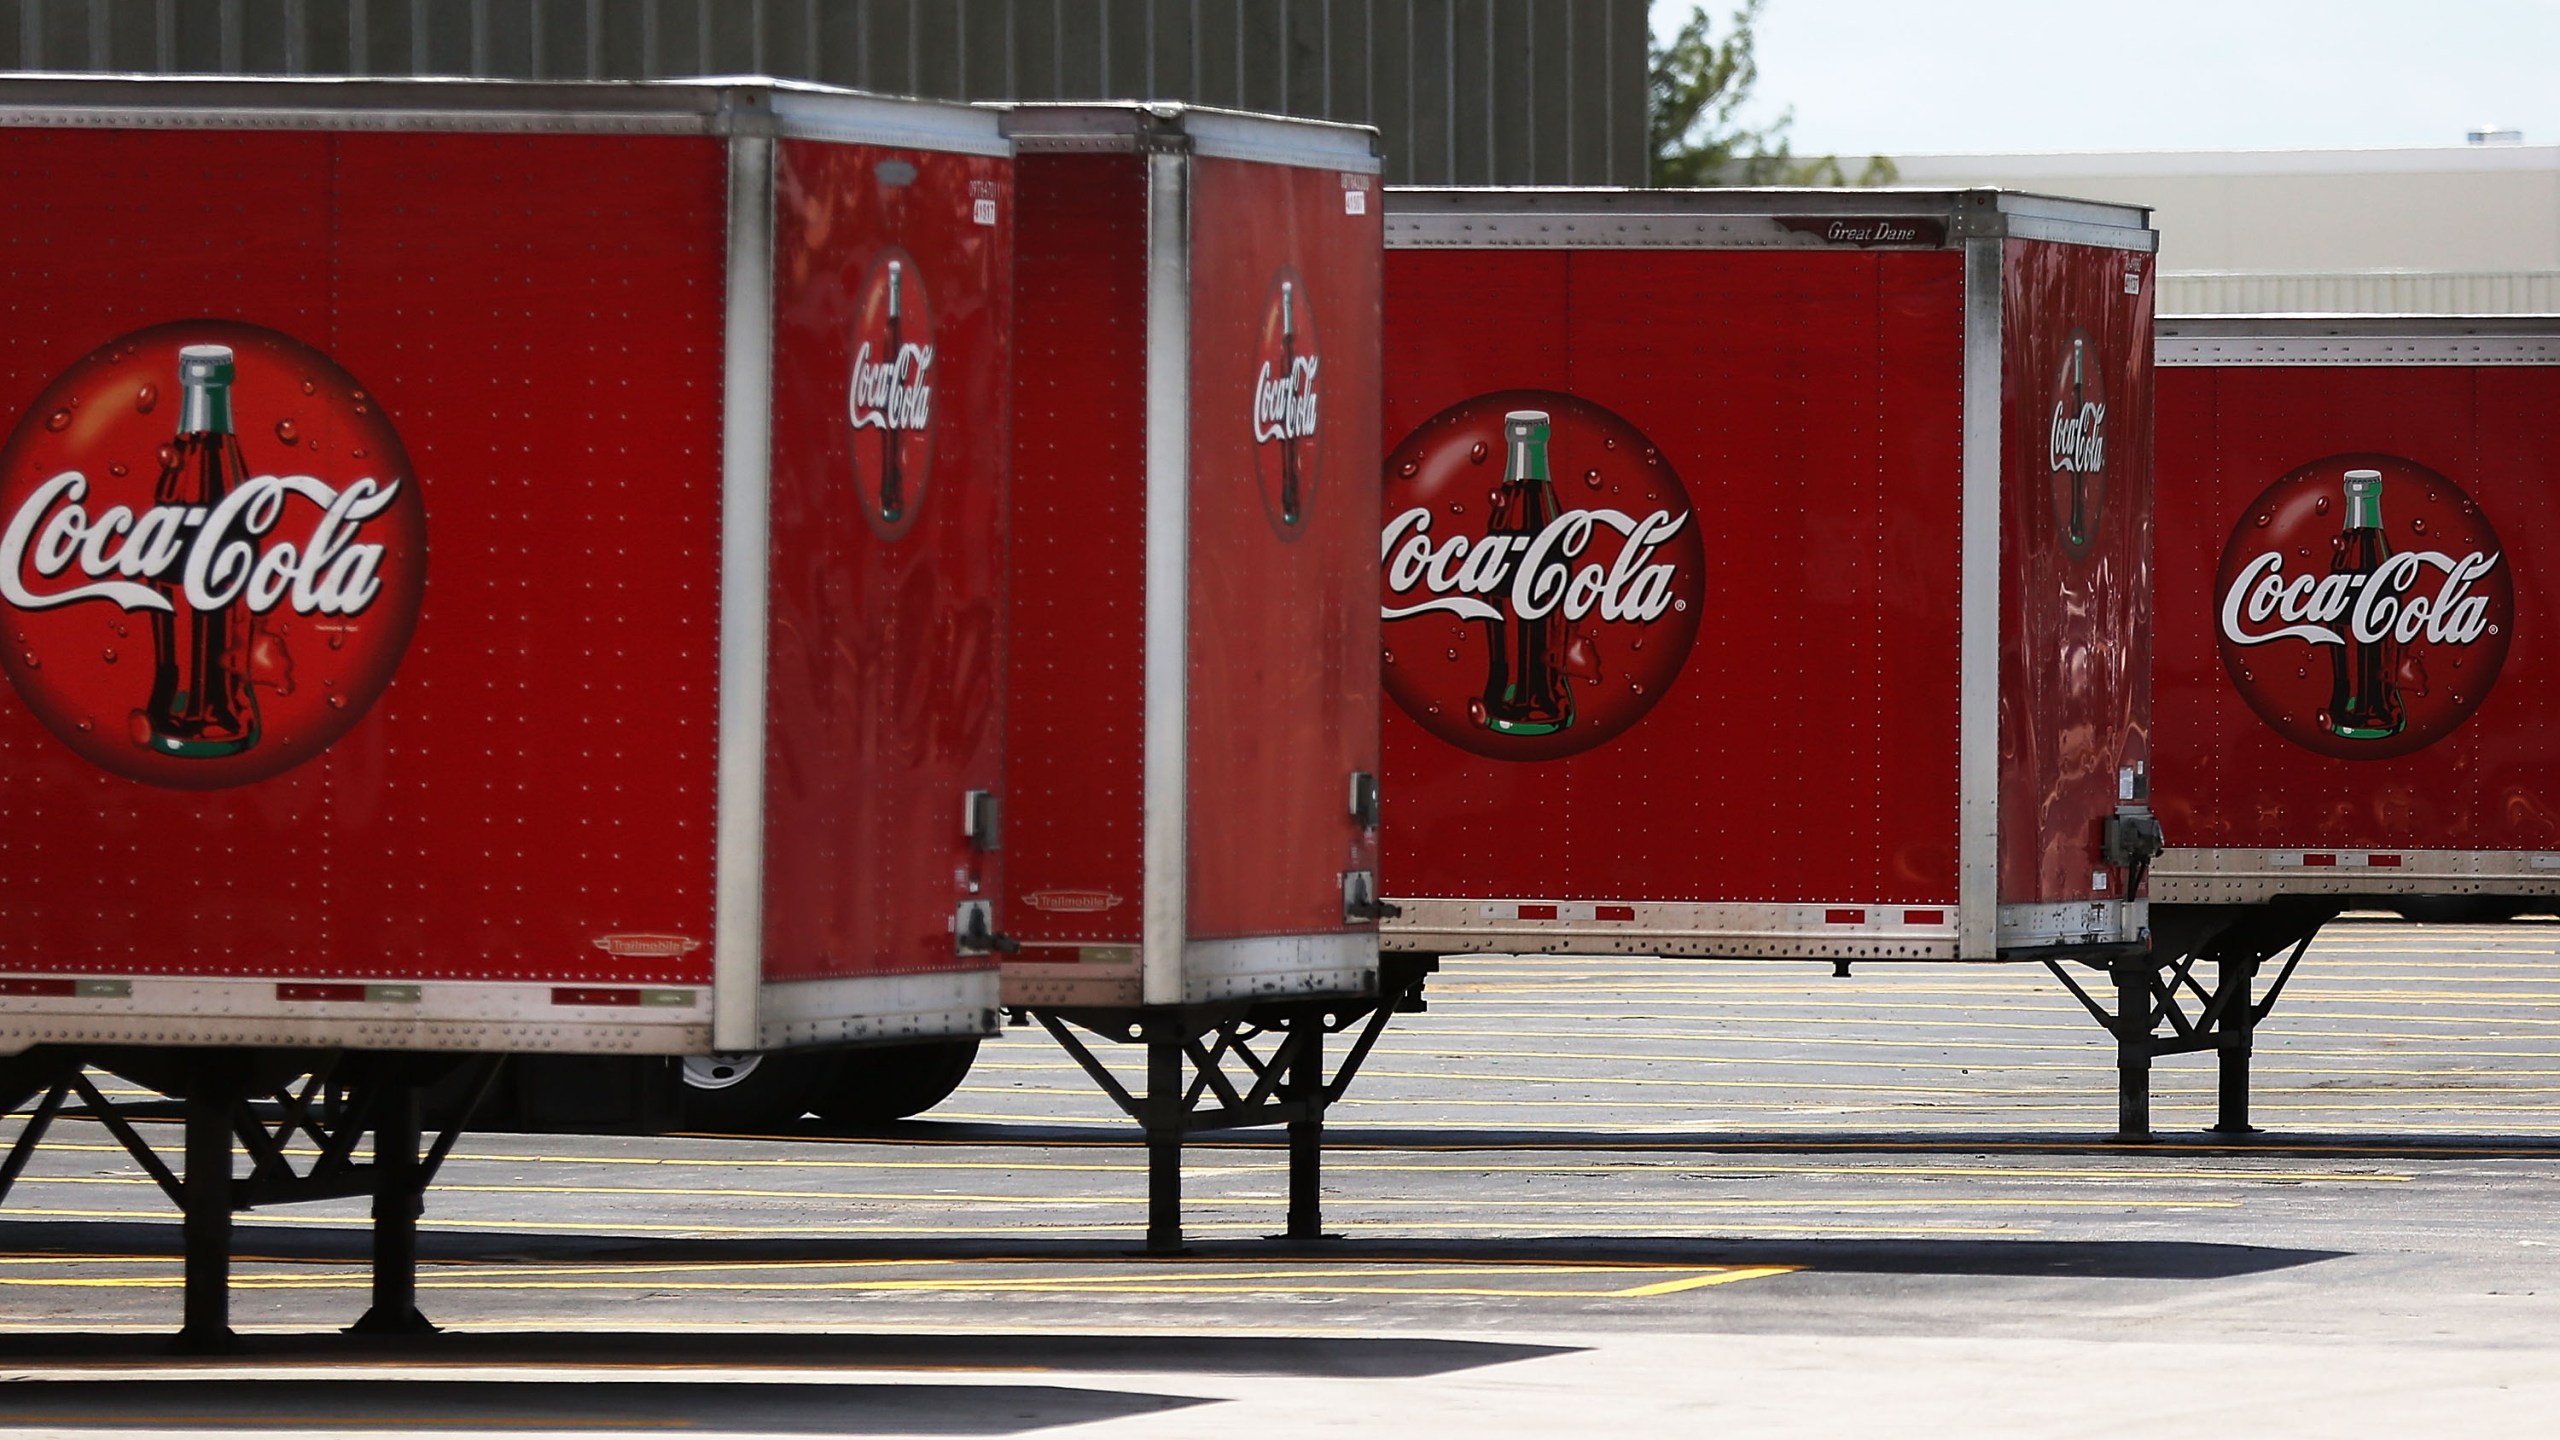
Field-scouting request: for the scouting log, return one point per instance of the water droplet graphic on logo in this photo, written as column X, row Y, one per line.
column 1409, row 469
column 2411, row 672
column 1591, row 477
column 168, row 456
column 310, row 386
column 87, row 725
column 1582, row 657
column 286, row 432
column 2320, row 505
column 117, row 470
column 1475, row 452
column 2266, row 518
column 146, row 399
column 108, row 655
column 2418, row 524
column 61, row 420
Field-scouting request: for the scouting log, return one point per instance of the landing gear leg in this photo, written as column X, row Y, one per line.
column 213, row 1097
column 399, row 1197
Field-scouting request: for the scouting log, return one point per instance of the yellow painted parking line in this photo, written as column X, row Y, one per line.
column 1195, row 1225
column 1148, row 1285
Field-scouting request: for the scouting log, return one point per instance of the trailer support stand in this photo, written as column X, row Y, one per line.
column 399, row 1198
column 1233, row 1065
column 2233, row 1041
column 1306, row 1091
column 213, row 1097
column 1164, row 1126
column 2134, row 979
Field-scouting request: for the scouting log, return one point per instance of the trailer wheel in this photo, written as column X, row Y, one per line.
column 891, row 1082
column 752, row 1091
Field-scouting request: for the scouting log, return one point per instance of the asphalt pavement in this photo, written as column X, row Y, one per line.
column 1656, row 1196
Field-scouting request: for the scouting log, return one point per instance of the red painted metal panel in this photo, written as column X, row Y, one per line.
column 1075, row 689
column 2482, row 774
column 1283, row 637
column 1808, row 404
column 2075, row 602
column 888, row 507
column 538, row 318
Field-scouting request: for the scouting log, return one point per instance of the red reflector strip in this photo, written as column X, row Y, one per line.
column 1537, row 912
column 2320, row 860
column 1613, row 912
column 2386, row 862
column 592, row 995
column 306, row 990
column 39, row 987
column 1924, row 917
column 1844, row 917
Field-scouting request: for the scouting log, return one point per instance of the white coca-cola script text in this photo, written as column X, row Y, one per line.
column 1536, row 573
column 893, row 394
column 1284, row 405
column 2078, row 444
column 2263, row 605
column 210, row 554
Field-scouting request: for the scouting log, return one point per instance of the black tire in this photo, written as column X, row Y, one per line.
column 753, row 1092
column 876, row 1085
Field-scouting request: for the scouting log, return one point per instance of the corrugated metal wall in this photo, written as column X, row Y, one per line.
column 1467, row 92
column 2361, row 292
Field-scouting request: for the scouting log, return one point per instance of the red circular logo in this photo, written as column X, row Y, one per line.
column 212, row 552
column 1284, row 405
column 891, row 396
column 2364, row 606
column 2076, row 443
column 1544, row 575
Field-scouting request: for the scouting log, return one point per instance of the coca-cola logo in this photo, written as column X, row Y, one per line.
column 1544, row 575
column 889, row 401
column 1286, row 393
column 2364, row 606
column 2075, row 442
column 212, row 554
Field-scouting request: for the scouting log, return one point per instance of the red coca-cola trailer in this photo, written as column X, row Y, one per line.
column 489, row 568
column 2352, row 516
column 1767, row 574
column 1193, row 733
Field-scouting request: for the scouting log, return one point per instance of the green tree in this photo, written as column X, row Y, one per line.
column 1697, row 89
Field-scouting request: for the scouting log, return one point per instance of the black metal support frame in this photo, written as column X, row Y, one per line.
column 2162, row 988
column 1235, row 1065
column 227, row 1098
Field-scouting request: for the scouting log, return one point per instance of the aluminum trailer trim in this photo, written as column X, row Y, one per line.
column 1739, row 219
column 714, row 106
column 2246, row 340
column 2237, row 875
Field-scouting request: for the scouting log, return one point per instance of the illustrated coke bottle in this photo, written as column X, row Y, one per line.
column 1526, row 691
column 2079, row 528
column 893, row 479
column 200, row 704
column 2364, row 702
column 1289, row 438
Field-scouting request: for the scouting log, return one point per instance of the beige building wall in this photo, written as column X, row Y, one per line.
column 2473, row 228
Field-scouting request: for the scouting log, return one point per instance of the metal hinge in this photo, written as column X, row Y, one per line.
column 973, row 929
column 1364, row 799
column 1360, row 902
column 982, row 819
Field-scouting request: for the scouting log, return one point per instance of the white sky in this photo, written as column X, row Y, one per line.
column 1925, row 76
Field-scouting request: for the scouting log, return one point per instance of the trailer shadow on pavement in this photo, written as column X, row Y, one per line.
column 1741, row 1256
column 582, row 1406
